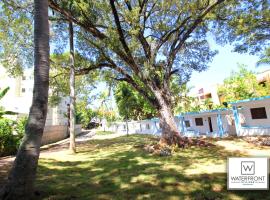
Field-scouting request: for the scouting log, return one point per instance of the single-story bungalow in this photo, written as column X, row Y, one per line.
column 247, row 117
column 252, row 116
column 210, row 123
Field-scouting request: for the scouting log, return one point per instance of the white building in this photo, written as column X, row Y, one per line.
column 252, row 116
column 210, row 123
column 19, row 97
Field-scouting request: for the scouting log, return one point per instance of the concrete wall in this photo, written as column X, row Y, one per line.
column 53, row 134
column 251, row 126
column 56, row 133
column 245, row 111
column 228, row 126
column 141, row 127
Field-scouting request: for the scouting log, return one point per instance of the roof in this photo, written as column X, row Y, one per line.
column 205, row 112
column 251, row 99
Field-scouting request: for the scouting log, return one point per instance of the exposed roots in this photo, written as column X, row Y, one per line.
column 166, row 148
column 258, row 140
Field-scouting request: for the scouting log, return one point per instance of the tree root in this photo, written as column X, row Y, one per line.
column 163, row 148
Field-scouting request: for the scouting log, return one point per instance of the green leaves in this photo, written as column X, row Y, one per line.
column 16, row 35
column 265, row 58
column 131, row 105
column 242, row 84
column 2, row 111
column 3, row 92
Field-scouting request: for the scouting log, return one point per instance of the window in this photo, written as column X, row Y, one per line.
column 199, row 121
column 258, row 113
column 187, row 123
column 23, row 90
column 23, row 78
column 147, row 126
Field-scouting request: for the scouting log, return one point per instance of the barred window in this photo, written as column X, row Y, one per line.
column 199, row 121
column 258, row 113
column 187, row 123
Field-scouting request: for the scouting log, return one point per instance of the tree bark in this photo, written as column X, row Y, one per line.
column 170, row 133
column 23, row 173
column 72, row 144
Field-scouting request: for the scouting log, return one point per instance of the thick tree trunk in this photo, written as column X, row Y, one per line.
column 23, row 173
column 170, row 132
column 72, row 144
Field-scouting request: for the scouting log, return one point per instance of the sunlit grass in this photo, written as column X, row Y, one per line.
column 119, row 169
column 104, row 132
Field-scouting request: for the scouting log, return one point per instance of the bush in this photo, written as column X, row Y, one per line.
column 8, row 141
column 20, row 126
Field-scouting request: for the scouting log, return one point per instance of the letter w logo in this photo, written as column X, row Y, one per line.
column 247, row 167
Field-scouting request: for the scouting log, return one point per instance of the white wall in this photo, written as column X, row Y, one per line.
column 206, row 128
column 245, row 111
column 18, row 101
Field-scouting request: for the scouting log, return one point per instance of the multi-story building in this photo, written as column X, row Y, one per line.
column 205, row 93
column 19, row 97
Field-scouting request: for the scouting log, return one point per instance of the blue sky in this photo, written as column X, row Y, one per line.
column 223, row 63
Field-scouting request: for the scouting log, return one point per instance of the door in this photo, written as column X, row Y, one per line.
column 210, row 124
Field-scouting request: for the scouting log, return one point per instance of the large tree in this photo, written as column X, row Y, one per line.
column 145, row 43
column 22, row 175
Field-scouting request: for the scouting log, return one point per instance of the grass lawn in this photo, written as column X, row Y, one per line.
column 115, row 169
column 104, row 132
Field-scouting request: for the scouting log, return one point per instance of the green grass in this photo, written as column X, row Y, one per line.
column 104, row 132
column 119, row 169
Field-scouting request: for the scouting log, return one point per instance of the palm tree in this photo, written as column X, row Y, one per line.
column 23, row 173
column 72, row 144
column 2, row 111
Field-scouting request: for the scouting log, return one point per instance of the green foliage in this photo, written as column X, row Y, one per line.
column 131, row 105
column 59, row 77
column 265, row 58
column 20, row 126
column 242, row 85
column 104, row 132
column 2, row 111
column 8, row 141
column 246, row 23
column 16, row 35
column 84, row 114
column 11, row 134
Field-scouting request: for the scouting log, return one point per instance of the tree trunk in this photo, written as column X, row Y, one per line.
column 170, row 132
column 72, row 144
column 127, row 130
column 23, row 173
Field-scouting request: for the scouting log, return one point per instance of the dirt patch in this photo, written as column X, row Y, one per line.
column 185, row 142
column 258, row 140
column 5, row 165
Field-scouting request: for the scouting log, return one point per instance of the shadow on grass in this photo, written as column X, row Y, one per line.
column 113, row 169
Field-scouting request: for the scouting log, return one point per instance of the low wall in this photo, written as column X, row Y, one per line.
column 53, row 134
column 78, row 129
column 56, row 133
column 254, row 131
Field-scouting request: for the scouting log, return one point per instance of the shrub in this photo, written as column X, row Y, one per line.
column 8, row 141
column 20, row 126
